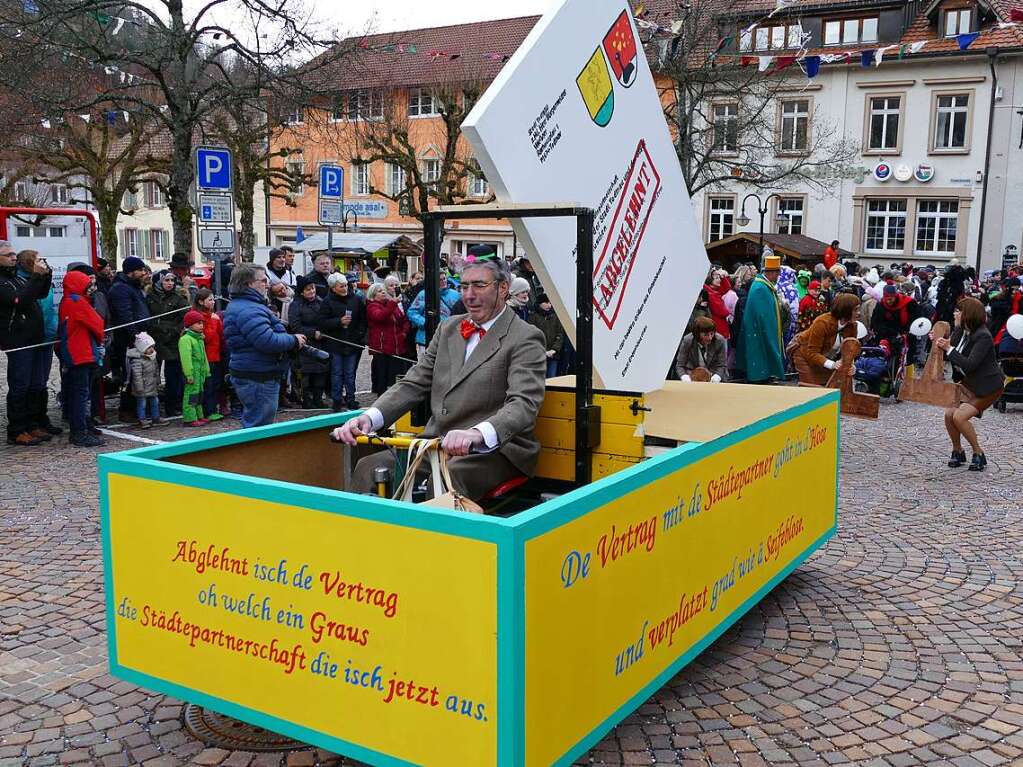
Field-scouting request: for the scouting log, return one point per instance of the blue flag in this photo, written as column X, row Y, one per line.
column 812, row 65
column 299, row 235
column 965, row 41
column 30, row 6
column 867, row 58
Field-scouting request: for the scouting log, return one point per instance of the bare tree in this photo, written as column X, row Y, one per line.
column 433, row 162
column 726, row 115
column 177, row 67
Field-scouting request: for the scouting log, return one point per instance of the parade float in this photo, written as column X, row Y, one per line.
column 243, row 577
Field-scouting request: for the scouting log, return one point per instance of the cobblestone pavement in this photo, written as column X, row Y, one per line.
column 899, row 643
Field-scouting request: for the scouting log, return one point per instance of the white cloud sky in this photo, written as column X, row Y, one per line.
column 396, row 15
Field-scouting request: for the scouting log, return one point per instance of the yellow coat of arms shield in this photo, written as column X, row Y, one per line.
column 597, row 91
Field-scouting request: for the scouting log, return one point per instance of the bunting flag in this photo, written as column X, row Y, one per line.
column 125, row 113
column 867, row 58
column 812, row 65
column 46, row 124
column 111, row 117
column 29, row 6
column 765, row 63
column 118, row 23
column 1016, row 14
column 86, row 118
column 965, row 41
column 879, row 54
column 745, row 61
column 784, row 61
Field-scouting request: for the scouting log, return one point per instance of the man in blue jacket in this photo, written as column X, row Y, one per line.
column 258, row 344
column 127, row 301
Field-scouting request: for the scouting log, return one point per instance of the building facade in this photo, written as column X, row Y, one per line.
column 932, row 130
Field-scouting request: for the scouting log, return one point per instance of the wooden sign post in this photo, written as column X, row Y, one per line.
column 853, row 402
column 931, row 388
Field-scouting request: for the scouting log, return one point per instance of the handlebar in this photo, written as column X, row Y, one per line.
column 400, row 442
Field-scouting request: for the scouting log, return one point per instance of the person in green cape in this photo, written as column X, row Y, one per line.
column 760, row 345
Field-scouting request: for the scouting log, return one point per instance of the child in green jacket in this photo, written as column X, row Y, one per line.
column 196, row 369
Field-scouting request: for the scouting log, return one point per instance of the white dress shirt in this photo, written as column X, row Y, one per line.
column 485, row 428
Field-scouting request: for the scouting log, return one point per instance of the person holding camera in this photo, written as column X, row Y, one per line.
column 21, row 316
column 258, row 344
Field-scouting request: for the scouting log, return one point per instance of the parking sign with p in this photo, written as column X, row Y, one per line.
column 213, row 169
column 332, row 182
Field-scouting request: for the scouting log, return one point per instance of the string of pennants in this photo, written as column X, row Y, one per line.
column 431, row 53
column 811, row 64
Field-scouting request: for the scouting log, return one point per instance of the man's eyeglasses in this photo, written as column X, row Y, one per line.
column 475, row 285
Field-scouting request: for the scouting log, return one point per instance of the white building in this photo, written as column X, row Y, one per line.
column 916, row 189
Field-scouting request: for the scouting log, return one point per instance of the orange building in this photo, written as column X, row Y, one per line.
column 391, row 86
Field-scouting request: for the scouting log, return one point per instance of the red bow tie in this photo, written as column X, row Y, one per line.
column 470, row 328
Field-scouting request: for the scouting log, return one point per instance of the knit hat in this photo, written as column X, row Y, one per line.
column 301, row 281
column 518, row 285
column 143, row 341
column 192, row 317
column 814, row 285
column 132, row 264
column 891, row 290
column 101, row 263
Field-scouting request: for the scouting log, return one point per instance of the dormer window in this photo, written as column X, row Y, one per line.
column 958, row 21
column 771, row 37
column 850, row 31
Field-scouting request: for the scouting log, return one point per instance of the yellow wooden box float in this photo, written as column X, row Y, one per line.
column 242, row 577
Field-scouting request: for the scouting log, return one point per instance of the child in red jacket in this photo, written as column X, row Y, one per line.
column 213, row 336
column 80, row 331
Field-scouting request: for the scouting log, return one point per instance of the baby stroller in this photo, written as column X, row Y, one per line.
column 1011, row 359
column 881, row 369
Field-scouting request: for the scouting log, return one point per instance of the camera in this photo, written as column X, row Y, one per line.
column 314, row 353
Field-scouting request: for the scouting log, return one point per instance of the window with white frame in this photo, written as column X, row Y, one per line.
column 366, row 104
column 360, row 179
column 846, row 31
column 131, row 242
column 478, row 185
column 937, row 222
column 795, row 125
column 793, row 210
column 58, row 193
column 431, row 173
column 771, row 37
column 154, row 195
column 395, row 179
column 957, row 22
column 726, row 128
column 422, row 102
column 721, row 218
column 886, row 226
column 953, row 113
column 885, row 114
column 158, row 242
column 23, row 230
column 296, row 173
column 293, row 116
column 56, row 231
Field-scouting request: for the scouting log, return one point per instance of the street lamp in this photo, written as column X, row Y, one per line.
column 345, row 213
column 743, row 219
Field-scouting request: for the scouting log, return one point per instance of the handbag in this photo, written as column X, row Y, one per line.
column 445, row 496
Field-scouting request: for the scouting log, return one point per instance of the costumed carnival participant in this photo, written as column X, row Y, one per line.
column 810, row 349
column 703, row 348
column 484, row 375
column 971, row 350
column 892, row 317
column 811, row 306
column 760, row 343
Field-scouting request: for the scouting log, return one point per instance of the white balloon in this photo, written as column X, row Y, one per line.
column 1015, row 326
column 861, row 330
column 921, row 327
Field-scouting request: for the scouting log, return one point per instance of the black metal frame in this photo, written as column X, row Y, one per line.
column 587, row 415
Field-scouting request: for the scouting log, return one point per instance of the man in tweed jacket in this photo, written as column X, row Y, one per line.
column 484, row 374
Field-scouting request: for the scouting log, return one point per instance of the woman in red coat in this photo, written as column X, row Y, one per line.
column 388, row 336
column 716, row 286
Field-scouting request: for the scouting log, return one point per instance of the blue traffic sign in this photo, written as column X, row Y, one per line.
column 332, row 182
column 213, row 169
